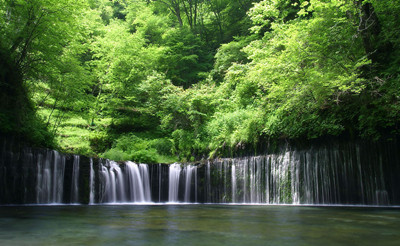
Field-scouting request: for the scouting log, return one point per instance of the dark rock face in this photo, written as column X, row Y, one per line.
column 159, row 176
column 35, row 176
column 362, row 173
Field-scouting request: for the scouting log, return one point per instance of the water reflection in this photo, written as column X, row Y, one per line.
column 198, row 225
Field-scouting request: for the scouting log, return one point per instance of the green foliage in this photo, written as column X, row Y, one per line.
column 234, row 129
column 117, row 155
column 227, row 55
column 100, row 141
column 143, row 150
column 17, row 115
column 185, row 59
column 163, row 146
column 306, row 66
column 142, row 20
column 158, row 81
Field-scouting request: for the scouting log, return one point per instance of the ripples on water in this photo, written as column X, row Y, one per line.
column 198, row 225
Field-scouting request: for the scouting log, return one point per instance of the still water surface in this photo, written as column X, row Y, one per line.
column 198, row 225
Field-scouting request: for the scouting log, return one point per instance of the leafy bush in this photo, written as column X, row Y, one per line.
column 145, row 156
column 134, row 148
column 116, row 155
column 162, row 145
column 100, row 142
column 234, row 129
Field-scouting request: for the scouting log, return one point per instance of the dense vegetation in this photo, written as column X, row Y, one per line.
column 167, row 80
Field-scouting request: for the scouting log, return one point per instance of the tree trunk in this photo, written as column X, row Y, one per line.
column 369, row 29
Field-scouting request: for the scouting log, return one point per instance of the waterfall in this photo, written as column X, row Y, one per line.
column 119, row 186
column 320, row 176
column 195, row 185
column 104, row 182
column 91, row 184
column 182, row 183
column 173, row 188
column 75, row 180
column 111, row 192
column 128, row 183
column 50, row 178
column 190, row 170
column 43, row 181
column 208, row 182
column 138, row 182
column 234, row 185
column 345, row 173
column 144, row 172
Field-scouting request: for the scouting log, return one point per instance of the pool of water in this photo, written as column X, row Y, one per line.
column 198, row 225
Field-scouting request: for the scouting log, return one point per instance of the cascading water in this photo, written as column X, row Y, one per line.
column 138, row 182
column 195, row 185
column 129, row 183
column 104, row 182
column 190, row 171
column 144, row 173
column 234, row 185
column 174, row 176
column 118, row 181
column 363, row 174
column 208, row 182
column 183, row 184
column 299, row 177
column 91, row 184
column 75, row 180
column 50, row 178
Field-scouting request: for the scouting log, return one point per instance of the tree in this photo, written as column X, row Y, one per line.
column 175, row 7
column 38, row 40
column 187, row 59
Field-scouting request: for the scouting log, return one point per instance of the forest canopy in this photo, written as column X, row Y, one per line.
column 178, row 80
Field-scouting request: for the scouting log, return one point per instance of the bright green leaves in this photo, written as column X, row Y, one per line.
column 227, row 55
column 264, row 13
column 303, row 71
column 143, row 150
column 109, row 73
column 234, row 129
column 122, row 61
column 269, row 13
column 120, row 56
column 44, row 40
column 185, row 59
column 305, row 66
column 36, row 31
